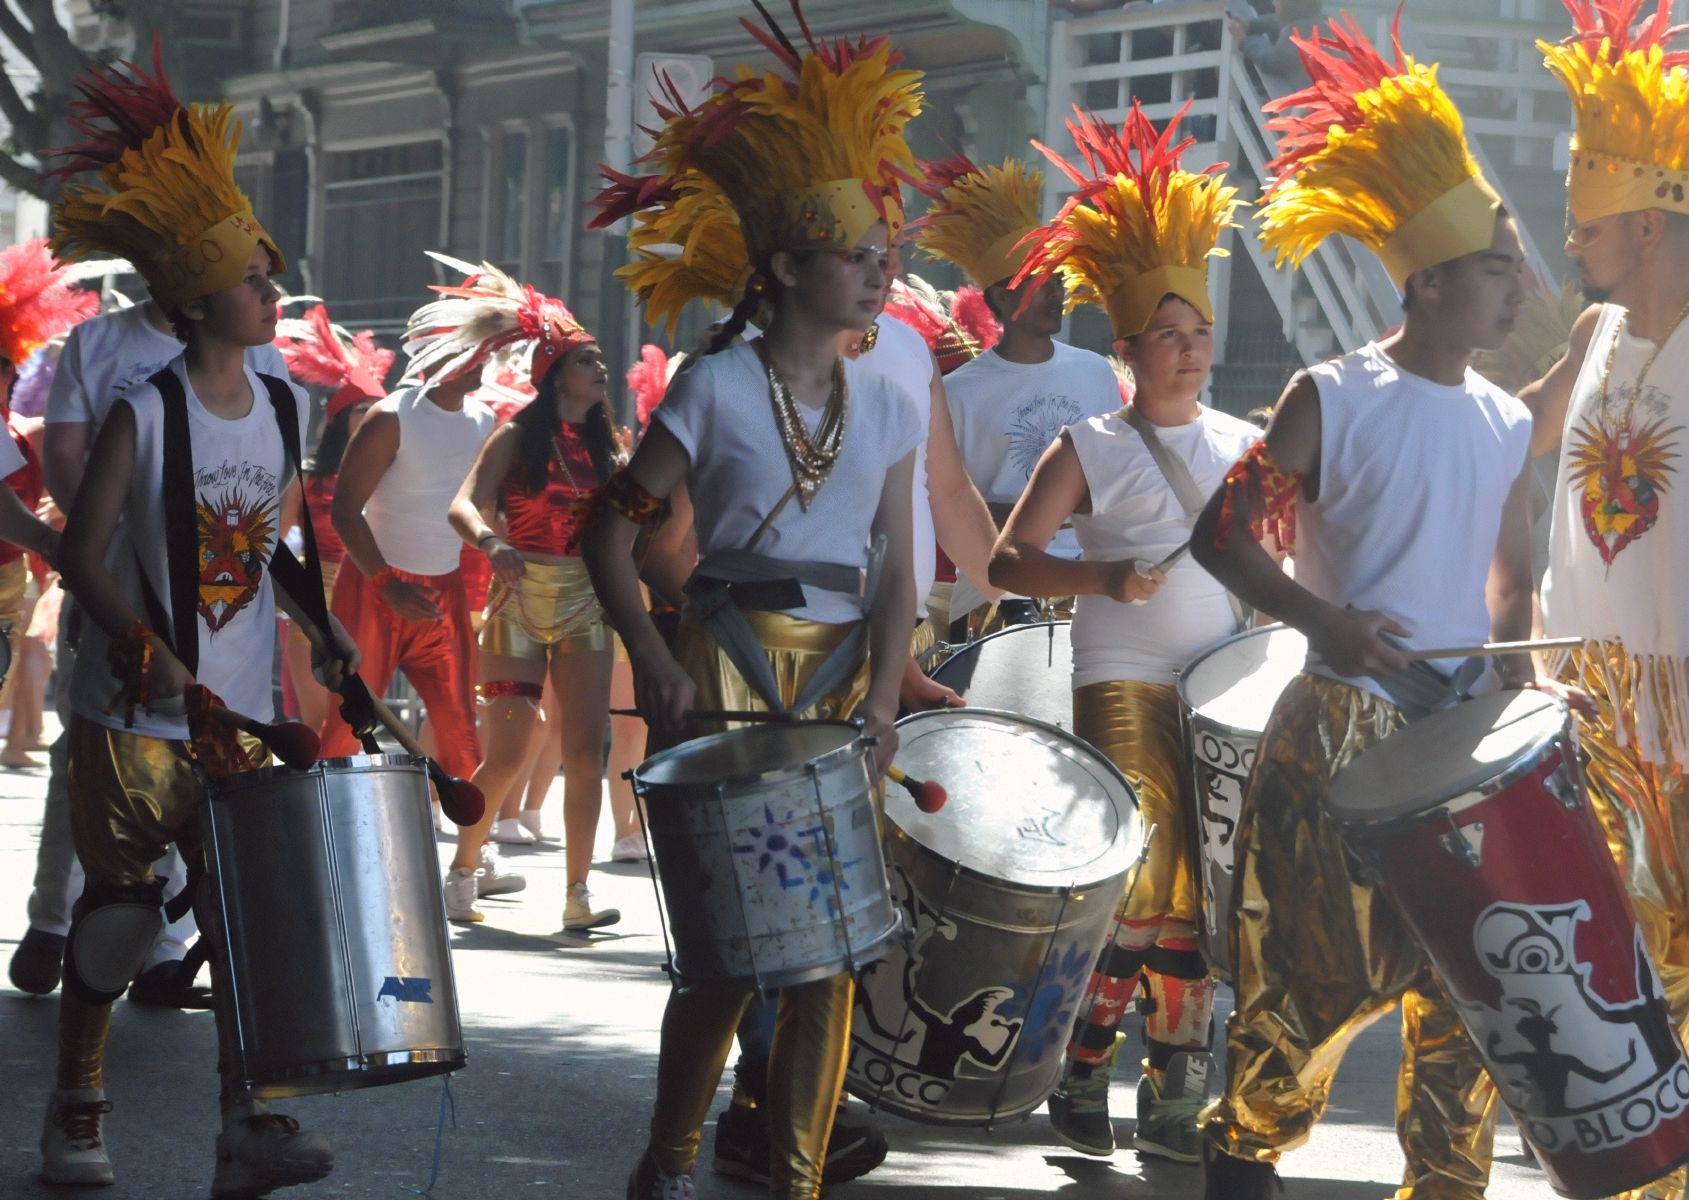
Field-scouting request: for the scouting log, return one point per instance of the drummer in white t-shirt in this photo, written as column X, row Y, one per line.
column 1135, row 624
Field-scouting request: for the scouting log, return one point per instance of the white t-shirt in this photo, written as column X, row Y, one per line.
column 1135, row 515
column 902, row 356
column 240, row 472
column 107, row 355
column 1413, row 476
column 1007, row 414
column 407, row 510
column 721, row 413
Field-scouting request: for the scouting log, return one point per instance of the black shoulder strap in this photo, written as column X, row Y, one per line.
column 181, row 529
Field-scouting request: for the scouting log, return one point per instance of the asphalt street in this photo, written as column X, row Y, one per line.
column 561, row 1033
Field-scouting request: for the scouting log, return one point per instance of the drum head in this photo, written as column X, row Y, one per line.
column 1023, row 669
column 1237, row 682
column 1028, row 803
column 740, row 755
column 1446, row 755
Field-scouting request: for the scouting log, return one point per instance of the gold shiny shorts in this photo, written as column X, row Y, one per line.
column 551, row 610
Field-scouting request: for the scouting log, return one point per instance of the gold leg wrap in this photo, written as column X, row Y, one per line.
column 82, row 1041
column 1136, row 726
column 697, row 1035
column 1319, row 957
column 806, row 1072
column 1643, row 808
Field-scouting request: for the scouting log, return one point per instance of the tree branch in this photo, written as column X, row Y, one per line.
column 56, row 56
column 22, row 177
column 29, row 128
column 17, row 33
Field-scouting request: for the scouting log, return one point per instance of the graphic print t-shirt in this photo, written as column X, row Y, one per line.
column 1007, row 414
column 240, row 472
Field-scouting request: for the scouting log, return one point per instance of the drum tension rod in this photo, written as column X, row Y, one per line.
column 1468, row 850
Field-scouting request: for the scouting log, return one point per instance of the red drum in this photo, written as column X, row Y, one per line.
column 1475, row 822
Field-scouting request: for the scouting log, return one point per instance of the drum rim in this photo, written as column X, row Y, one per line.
column 356, row 762
column 1466, row 798
column 964, row 647
column 1066, row 735
column 776, row 775
column 1195, row 713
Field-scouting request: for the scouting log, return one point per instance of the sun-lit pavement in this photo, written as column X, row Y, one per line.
column 562, row 1042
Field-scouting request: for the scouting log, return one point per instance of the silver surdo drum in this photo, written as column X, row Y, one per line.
column 327, row 883
column 1024, row 669
column 1010, row 890
column 1227, row 693
column 769, row 850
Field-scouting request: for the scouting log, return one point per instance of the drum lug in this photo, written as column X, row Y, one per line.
column 1560, row 784
column 1465, row 842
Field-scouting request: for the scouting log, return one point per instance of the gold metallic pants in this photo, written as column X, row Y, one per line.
column 130, row 798
column 551, row 609
column 812, row 1035
column 1643, row 808
column 1320, row 956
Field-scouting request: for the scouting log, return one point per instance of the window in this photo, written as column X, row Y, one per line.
column 381, row 212
column 530, row 209
column 557, row 204
column 513, row 198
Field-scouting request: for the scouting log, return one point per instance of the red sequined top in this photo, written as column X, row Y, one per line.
column 545, row 523
column 319, row 496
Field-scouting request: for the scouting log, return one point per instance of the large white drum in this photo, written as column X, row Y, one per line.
column 1227, row 693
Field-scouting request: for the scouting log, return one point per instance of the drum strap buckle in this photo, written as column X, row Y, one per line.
column 1465, row 842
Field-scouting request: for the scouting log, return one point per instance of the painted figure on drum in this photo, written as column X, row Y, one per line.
column 1130, row 483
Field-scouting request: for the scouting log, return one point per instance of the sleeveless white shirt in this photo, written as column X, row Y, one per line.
column 902, row 356
column 1413, row 476
column 407, row 510
column 1135, row 515
column 1618, row 552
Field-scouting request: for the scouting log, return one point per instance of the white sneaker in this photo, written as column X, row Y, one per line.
column 73, row 1147
column 530, row 818
column 511, row 833
column 460, row 896
column 439, row 818
column 648, row 1183
column 260, row 1151
column 629, row 849
column 578, row 914
column 493, row 882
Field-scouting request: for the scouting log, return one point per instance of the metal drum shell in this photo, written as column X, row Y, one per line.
column 327, row 884
column 1509, row 886
column 738, row 926
column 974, row 934
column 1046, row 697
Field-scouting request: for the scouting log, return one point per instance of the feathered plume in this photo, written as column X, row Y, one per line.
column 648, row 380
column 1365, row 149
column 320, row 352
column 36, row 304
column 973, row 314
column 1139, row 223
column 809, row 159
column 1630, row 101
column 980, row 215
column 930, row 313
column 488, row 313
column 123, row 94
column 691, row 248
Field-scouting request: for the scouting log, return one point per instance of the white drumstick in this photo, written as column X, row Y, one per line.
column 1499, row 648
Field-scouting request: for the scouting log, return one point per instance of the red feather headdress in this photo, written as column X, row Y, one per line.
column 36, row 304
column 489, row 312
column 318, row 351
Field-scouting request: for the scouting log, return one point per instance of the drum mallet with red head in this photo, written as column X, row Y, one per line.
column 929, row 796
column 295, row 744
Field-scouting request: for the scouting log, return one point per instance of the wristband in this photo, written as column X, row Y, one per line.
column 131, row 662
column 1273, row 491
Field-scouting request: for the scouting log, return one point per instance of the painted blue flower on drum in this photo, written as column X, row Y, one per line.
column 1049, row 1018
column 799, row 856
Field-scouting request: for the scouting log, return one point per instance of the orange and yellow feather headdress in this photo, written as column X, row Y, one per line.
column 165, row 195
column 1139, row 228
column 1377, row 151
column 980, row 215
column 1630, row 100
column 806, row 160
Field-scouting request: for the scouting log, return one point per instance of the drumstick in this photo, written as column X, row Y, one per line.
column 929, row 796
column 295, row 744
column 461, row 801
column 1499, row 648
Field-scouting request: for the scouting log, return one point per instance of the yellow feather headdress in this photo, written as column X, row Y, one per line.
column 806, row 161
column 165, row 199
column 1135, row 231
column 1377, row 151
column 1631, row 103
column 981, row 215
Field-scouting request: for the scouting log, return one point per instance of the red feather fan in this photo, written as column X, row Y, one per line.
column 35, row 302
column 648, row 379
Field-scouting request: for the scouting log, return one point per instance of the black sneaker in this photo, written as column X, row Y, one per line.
column 1167, row 1115
column 741, row 1144
column 1079, row 1105
column 856, row 1147
column 38, row 962
column 168, row 985
column 1228, row 1178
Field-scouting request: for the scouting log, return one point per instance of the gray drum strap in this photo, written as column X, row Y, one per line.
column 1186, row 490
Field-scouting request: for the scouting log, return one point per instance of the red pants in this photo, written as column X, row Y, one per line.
column 436, row 656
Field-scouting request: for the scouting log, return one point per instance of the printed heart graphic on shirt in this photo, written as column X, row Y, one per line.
column 1623, row 472
column 234, row 544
